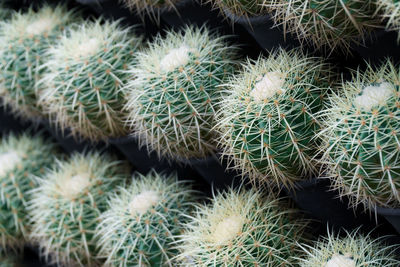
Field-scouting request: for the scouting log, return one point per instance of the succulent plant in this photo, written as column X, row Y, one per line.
column 361, row 140
column 24, row 40
column 242, row 228
column 66, row 206
column 143, row 220
column 151, row 7
column 245, row 8
column 86, row 71
column 390, row 11
column 267, row 118
column 172, row 101
column 326, row 23
column 21, row 157
column 353, row 250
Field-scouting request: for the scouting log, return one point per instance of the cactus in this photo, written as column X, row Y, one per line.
column 172, row 101
column 153, row 8
column 24, row 40
column 390, row 11
column 240, row 7
column 361, row 140
column 267, row 119
column 326, row 23
column 21, row 157
column 9, row 261
column 353, row 250
column 242, row 228
column 86, row 71
column 143, row 221
column 66, row 206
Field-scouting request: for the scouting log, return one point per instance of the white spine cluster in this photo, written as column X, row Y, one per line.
column 374, row 95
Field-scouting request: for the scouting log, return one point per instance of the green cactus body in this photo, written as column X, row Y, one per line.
column 21, row 157
column 66, row 206
column 241, row 7
column 24, row 41
column 362, row 147
column 86, row 71
column 242, row 229
column 143, row 221
column 390, row 11
column 352, row 250
column 172, row 101
column 329, row 23
column 267, row 120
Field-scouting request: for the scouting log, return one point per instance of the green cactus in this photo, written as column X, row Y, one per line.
column 267, row 119
column 326, row 23
column 21, row 157
column 361, row 140
column 247, row 8
column 66, row 206
column 172, row 101
column 353, row 250
column 24, row 41
column 86, row 71
column 242, row 228
column 390, row 11
column 143, row 221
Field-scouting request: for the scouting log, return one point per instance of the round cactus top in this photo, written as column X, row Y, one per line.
column 175, row 58
column 71, row 186
column 374, row 95
column 142, row 202
column 341, row 261
column 227, row 229
column 8, row 161
column 267, row 86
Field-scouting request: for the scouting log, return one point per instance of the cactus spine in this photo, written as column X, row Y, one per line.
column 66, row 206
column 21, row 157
column 152, row 8
column 143, row 221
column 172, row 101
column 242, row 228
column 24, row 40
column 361, row 146
column 267, row 119
column 390, row 10
column 353, row 250
column 86, row 71
column 241, row 7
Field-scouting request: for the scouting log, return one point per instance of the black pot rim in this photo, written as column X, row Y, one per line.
column 254, row 21
column 387, row 211
column 122, row 140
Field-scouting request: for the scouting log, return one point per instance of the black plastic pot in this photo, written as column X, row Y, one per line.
column 318, row 200
column 9, row 123
column 391, row 215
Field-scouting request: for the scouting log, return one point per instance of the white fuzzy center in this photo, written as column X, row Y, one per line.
column 8, row 161
column 268, row 86
column 88, row 47
column 340, row 261
column 141, row 203
column 75, row 185
column 175, row 58
column 40, row 26
column 374, row 96
column 227, row 229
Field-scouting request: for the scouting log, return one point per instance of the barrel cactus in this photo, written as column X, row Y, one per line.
column 86, row 71
column 242, row 228
column 21, row 157
column 267, row 119
column 143, row 221
column 24, row 41
column 246, row 8
column 352, row 250
column 361, row 146
column 390, row 11
column 326, row 23
column 172, row 101
column 66, row 206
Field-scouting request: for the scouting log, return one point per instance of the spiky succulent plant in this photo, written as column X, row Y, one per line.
column 353, row 250
column 143, row 221
column 326, row 23
column 66, row 206
column 172, row 101
column 24, row 40
column 86, row 71
column 242, row 228
column 151, row 7
column 247, row 8
column 267, row 119
column 21, row 157
column 390, row 11
column 362, row 147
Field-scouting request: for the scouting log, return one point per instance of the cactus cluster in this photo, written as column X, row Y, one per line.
column 66, row 206
column 267, row 121
column 353, row 250
column 361, row 140
column 143, row 221
column 242, row 228
column 390, row 11
column 85, row 74
column 24, row 40
column 21, row 157
column 326, row 23
column 245, row 8
column 172, row 101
